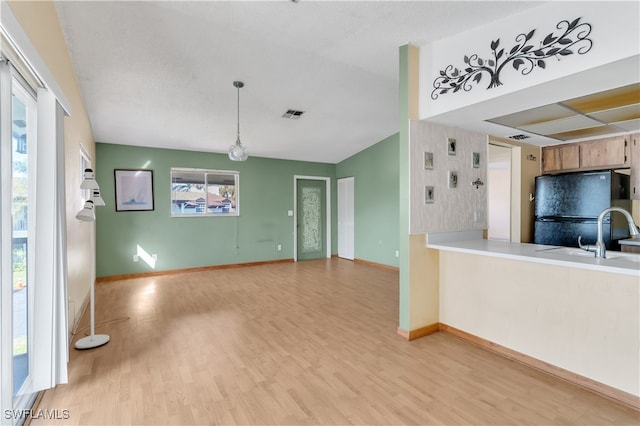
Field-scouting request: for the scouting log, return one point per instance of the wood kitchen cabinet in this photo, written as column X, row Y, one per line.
column 608, row 153
column 605, row 153
column 558, row 158
column 634, row 147
column 629, row 248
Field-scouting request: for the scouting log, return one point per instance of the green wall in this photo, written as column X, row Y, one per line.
column 266, row 194
column 375, row 172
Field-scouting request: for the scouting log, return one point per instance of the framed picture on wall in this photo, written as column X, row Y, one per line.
column 428, row 160
column 476, row 160
column 451, row 146
column 453, row 179
column 428, row 195
column 134, row 190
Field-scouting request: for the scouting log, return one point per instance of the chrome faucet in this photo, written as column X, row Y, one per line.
column 599, row 248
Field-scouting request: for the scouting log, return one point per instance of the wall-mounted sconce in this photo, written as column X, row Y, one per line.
column 477, row 183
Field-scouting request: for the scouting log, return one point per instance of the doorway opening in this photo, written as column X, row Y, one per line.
column 503, row 192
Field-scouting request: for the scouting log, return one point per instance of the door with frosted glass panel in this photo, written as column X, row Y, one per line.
column 311, row 219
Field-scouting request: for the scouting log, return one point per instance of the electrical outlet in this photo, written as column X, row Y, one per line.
column 154, row 256
column 397, row 253
column 279, row 247
column 135, row 258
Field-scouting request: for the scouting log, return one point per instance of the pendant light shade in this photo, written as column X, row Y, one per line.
column 237, row 151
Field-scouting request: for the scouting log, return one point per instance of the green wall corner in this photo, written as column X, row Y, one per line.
column 375, row 173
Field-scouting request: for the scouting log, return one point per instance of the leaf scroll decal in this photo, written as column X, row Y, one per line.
column 570, row 37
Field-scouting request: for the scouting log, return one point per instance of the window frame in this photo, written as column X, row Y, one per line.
column 205, row 172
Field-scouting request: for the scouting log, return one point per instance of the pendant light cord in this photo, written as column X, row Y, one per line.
column 238, row 85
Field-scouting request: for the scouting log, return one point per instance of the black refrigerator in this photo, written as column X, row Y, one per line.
column 568, row 205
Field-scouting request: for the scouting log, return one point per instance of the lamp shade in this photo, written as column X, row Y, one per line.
column 96, row 197
column 238, row 152
column 86, row 214
column 89, row 181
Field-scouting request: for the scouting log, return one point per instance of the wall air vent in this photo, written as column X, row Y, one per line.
column 518, row 137
column 292, row 114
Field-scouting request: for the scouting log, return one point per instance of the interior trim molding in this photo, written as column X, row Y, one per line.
column 187, row 270
column 377, row 265
column 419, row 332
column 601, row 389
column 403, row 333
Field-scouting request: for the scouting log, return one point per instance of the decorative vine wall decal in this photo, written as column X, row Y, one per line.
column 524, row 57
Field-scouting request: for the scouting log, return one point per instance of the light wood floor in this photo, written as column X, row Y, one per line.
column 308, row 343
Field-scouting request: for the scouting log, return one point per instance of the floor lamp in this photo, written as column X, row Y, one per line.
column 87, row 214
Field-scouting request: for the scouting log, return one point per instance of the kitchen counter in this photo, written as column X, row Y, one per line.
column 468, row 242
column 559, row 306
column 630, row 242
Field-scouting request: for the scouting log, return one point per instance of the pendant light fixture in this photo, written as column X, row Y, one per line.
column 237, row 151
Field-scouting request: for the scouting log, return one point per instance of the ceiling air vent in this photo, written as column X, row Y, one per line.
column 292, row 114
column 518, row 137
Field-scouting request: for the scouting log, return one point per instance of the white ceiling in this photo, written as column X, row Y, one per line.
column 160, row 73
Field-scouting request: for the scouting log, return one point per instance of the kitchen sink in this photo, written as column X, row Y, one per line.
column 610, row 255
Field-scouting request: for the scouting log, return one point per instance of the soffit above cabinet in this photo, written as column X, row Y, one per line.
column 612, row 111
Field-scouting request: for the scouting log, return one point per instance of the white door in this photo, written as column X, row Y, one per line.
column 499, row 193
column 346, row 218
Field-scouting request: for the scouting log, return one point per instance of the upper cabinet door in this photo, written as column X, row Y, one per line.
column 601, row 154
column 604, row 153
column 559, row 158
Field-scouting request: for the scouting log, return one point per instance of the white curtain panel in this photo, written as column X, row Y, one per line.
column 50, row 343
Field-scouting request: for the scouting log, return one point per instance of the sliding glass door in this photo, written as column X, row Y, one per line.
column 18, row 110
column 23, row 131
